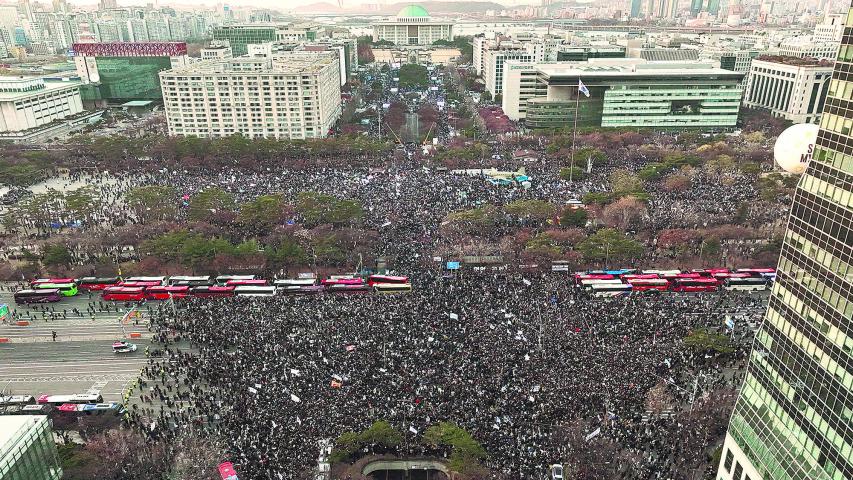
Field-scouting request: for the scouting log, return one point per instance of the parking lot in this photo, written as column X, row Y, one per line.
column 80, row 359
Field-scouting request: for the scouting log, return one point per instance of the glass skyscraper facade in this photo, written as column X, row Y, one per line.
column 240, row 36
column 794, row 417
column 27, row 450
column 127, row 78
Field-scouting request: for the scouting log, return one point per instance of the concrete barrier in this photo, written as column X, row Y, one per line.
column 22, row 323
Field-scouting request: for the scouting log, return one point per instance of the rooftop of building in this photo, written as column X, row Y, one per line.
column 796, row 61
column 289, row 62
column 13, row 426
column 631, row 66
column 32, row 86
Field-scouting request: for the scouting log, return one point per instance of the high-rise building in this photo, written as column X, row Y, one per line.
column 636, row 6
column 107, row 4
column 293, row 95
column 695, row 7
column 788, row 87
column 27, row 449
column 794, row 417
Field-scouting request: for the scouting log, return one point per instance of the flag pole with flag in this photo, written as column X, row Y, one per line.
column 581, row 89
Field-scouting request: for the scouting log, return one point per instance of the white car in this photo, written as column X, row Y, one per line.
column 124, row 347
column 556, row 472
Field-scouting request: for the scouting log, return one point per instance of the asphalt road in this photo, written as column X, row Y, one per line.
column 80, row 360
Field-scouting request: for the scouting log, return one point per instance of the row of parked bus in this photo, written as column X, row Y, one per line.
column 77, row 404
column 606, row 283
column 136, row 289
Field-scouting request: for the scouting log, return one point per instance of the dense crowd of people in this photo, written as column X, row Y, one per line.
column 509, row 357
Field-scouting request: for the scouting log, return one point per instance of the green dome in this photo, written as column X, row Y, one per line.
column 413, row 11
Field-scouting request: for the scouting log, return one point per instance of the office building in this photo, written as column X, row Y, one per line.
column 788, row 87
column 413, row 26
column 794, row 417
column 292, row 95
column 493, row 67
column 636, row 6
column 239, row 36
column 29, row 103
column 582, row 54
column 808, row 47
column 830, row 29
column 119, row 72
column 27, row 449
column 623, row 93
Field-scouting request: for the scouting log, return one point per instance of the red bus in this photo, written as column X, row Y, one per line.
column 640, row 276
column 52, row 280
column 343, row 281
column 140, row 283
column 646, row 284
column 123, row 294
column 374, row 279
column 720, row 276
column 592, row 276
column 162, row 292
column 98, row 283
column 255, row 282
column 212, row 291
column 695, row 285
column 158, row 280
column 756, row 272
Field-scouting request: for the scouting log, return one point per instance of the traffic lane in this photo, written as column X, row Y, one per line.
column 68, row 367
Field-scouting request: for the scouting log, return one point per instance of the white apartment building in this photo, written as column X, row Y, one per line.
column 294, row 95
column 217, row 50
column 27, row 103
column 493, row 67
column 830, row 30
column 481, row 44
column 807, row 47
column 792, row 88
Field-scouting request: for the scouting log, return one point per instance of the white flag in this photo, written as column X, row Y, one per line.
column 295, row 372
column 594, row 434
column 295, row 398
column 413, row 430
column 252, row 390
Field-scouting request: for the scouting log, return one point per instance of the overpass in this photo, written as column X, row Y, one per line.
column 427, row 469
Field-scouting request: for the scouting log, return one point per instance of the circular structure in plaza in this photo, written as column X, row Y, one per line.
column 795, row 146
column 413, row 11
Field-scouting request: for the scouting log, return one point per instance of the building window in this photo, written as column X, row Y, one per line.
column 729, row 458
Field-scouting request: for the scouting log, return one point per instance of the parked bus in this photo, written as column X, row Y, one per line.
column 123, row 294
column 756, row 272
column 748, row 284
column 610, row 289
column 157, row 280
column 301, row 289
column 140, row 283
column 640, row 276
column 587, row 283
column 191, row 281
column 579, row 277
column 294, row 282
column 661, row 272
column 392, row 287
column 58, row 400
column 258, row 282
column 97, row 283
column 223, row 279
column 649, row 284
column 48, row 295
column 254, row 291
column 212, row 291
column 620, row 272
column 41, row 281
column 343, row 281
column 694, row 285
column 65, row 289
column 386, row 279
column 163, row 292
column 348, row 288
column 17, row 400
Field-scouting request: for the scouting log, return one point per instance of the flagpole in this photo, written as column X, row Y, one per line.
column 574, row 132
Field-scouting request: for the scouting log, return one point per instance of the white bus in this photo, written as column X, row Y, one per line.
column 747, row 284
column 588, row 283
column 223, row 279
column 191, row 281
column 162, row 280
column 611, row 289
column 294, row 282
column 254, row 290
